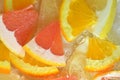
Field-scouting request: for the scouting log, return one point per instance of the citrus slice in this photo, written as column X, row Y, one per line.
column 79, row 15
column 17, row 28
column 10, row 5
column 28, row 69
column 47, row 46
column 101, row 54
column 4, row 59
column 112, row 75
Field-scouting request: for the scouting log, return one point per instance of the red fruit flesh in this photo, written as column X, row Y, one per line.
column 50, row 37
column 23, row 22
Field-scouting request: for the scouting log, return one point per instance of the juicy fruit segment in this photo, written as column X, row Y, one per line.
column 93, row 15
column 99, row 49
column 5, row 66
column 51, row 37
column 76, row 16
column 78, row 19
column 46, row 47
column 101, row 54
column 23, row 22
column 28, row 69
column 10, row 5
column 17, row 28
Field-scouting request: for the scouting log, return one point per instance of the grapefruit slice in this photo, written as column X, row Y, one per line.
column 17, row 28
column 47, row 46
column 28, row 69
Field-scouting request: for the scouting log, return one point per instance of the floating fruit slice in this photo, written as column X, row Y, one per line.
column 10, row 5
column 101, row 54
column 28, row 69
column 17, row 28
column 79, row 15
column 4, row 59
column 112, row 75
column 47, row 46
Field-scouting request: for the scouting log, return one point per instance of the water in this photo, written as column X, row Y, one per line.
column 114, row 34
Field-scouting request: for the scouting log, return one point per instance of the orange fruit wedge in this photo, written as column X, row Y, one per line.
column 10, row 5
column 5, row 66
column 101, row 54
column 77, row 16
column 47, row 46
column 112, row 75
column 17, row 28
column 30, row 70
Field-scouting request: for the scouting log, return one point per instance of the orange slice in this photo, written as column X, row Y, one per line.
column 112, row 75
column 28, row 69
column 77, row 16
column 17, row 28
column 101, row 54
column 5, row 66
column 47, row 46
column 10, row 5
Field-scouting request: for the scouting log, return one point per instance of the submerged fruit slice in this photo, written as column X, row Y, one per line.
column 4, row 59
column 17, row 28
column 112, row 75
column 101, row 54
column 28, row 69
column 64, row 78
column 10, row 5
column 47, row 46
column 79, row 15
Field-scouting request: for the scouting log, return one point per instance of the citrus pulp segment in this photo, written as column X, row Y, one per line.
column 75, row 16
column 47, row 46
column 101, row 54
column 28, row 69
column 10, row 5
column 16, row 24
column 79, row 15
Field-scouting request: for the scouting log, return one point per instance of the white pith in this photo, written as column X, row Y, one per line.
column 8, row 38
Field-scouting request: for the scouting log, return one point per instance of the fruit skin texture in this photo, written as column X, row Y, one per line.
column 23, row 22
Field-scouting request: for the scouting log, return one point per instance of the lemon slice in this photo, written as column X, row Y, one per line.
column 79, row 15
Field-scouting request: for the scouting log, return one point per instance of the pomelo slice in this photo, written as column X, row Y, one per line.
column 17, row 28
column 47, row 46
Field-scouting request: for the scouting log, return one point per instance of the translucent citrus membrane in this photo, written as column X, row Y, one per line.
column 81, row 16
column 99, row 49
